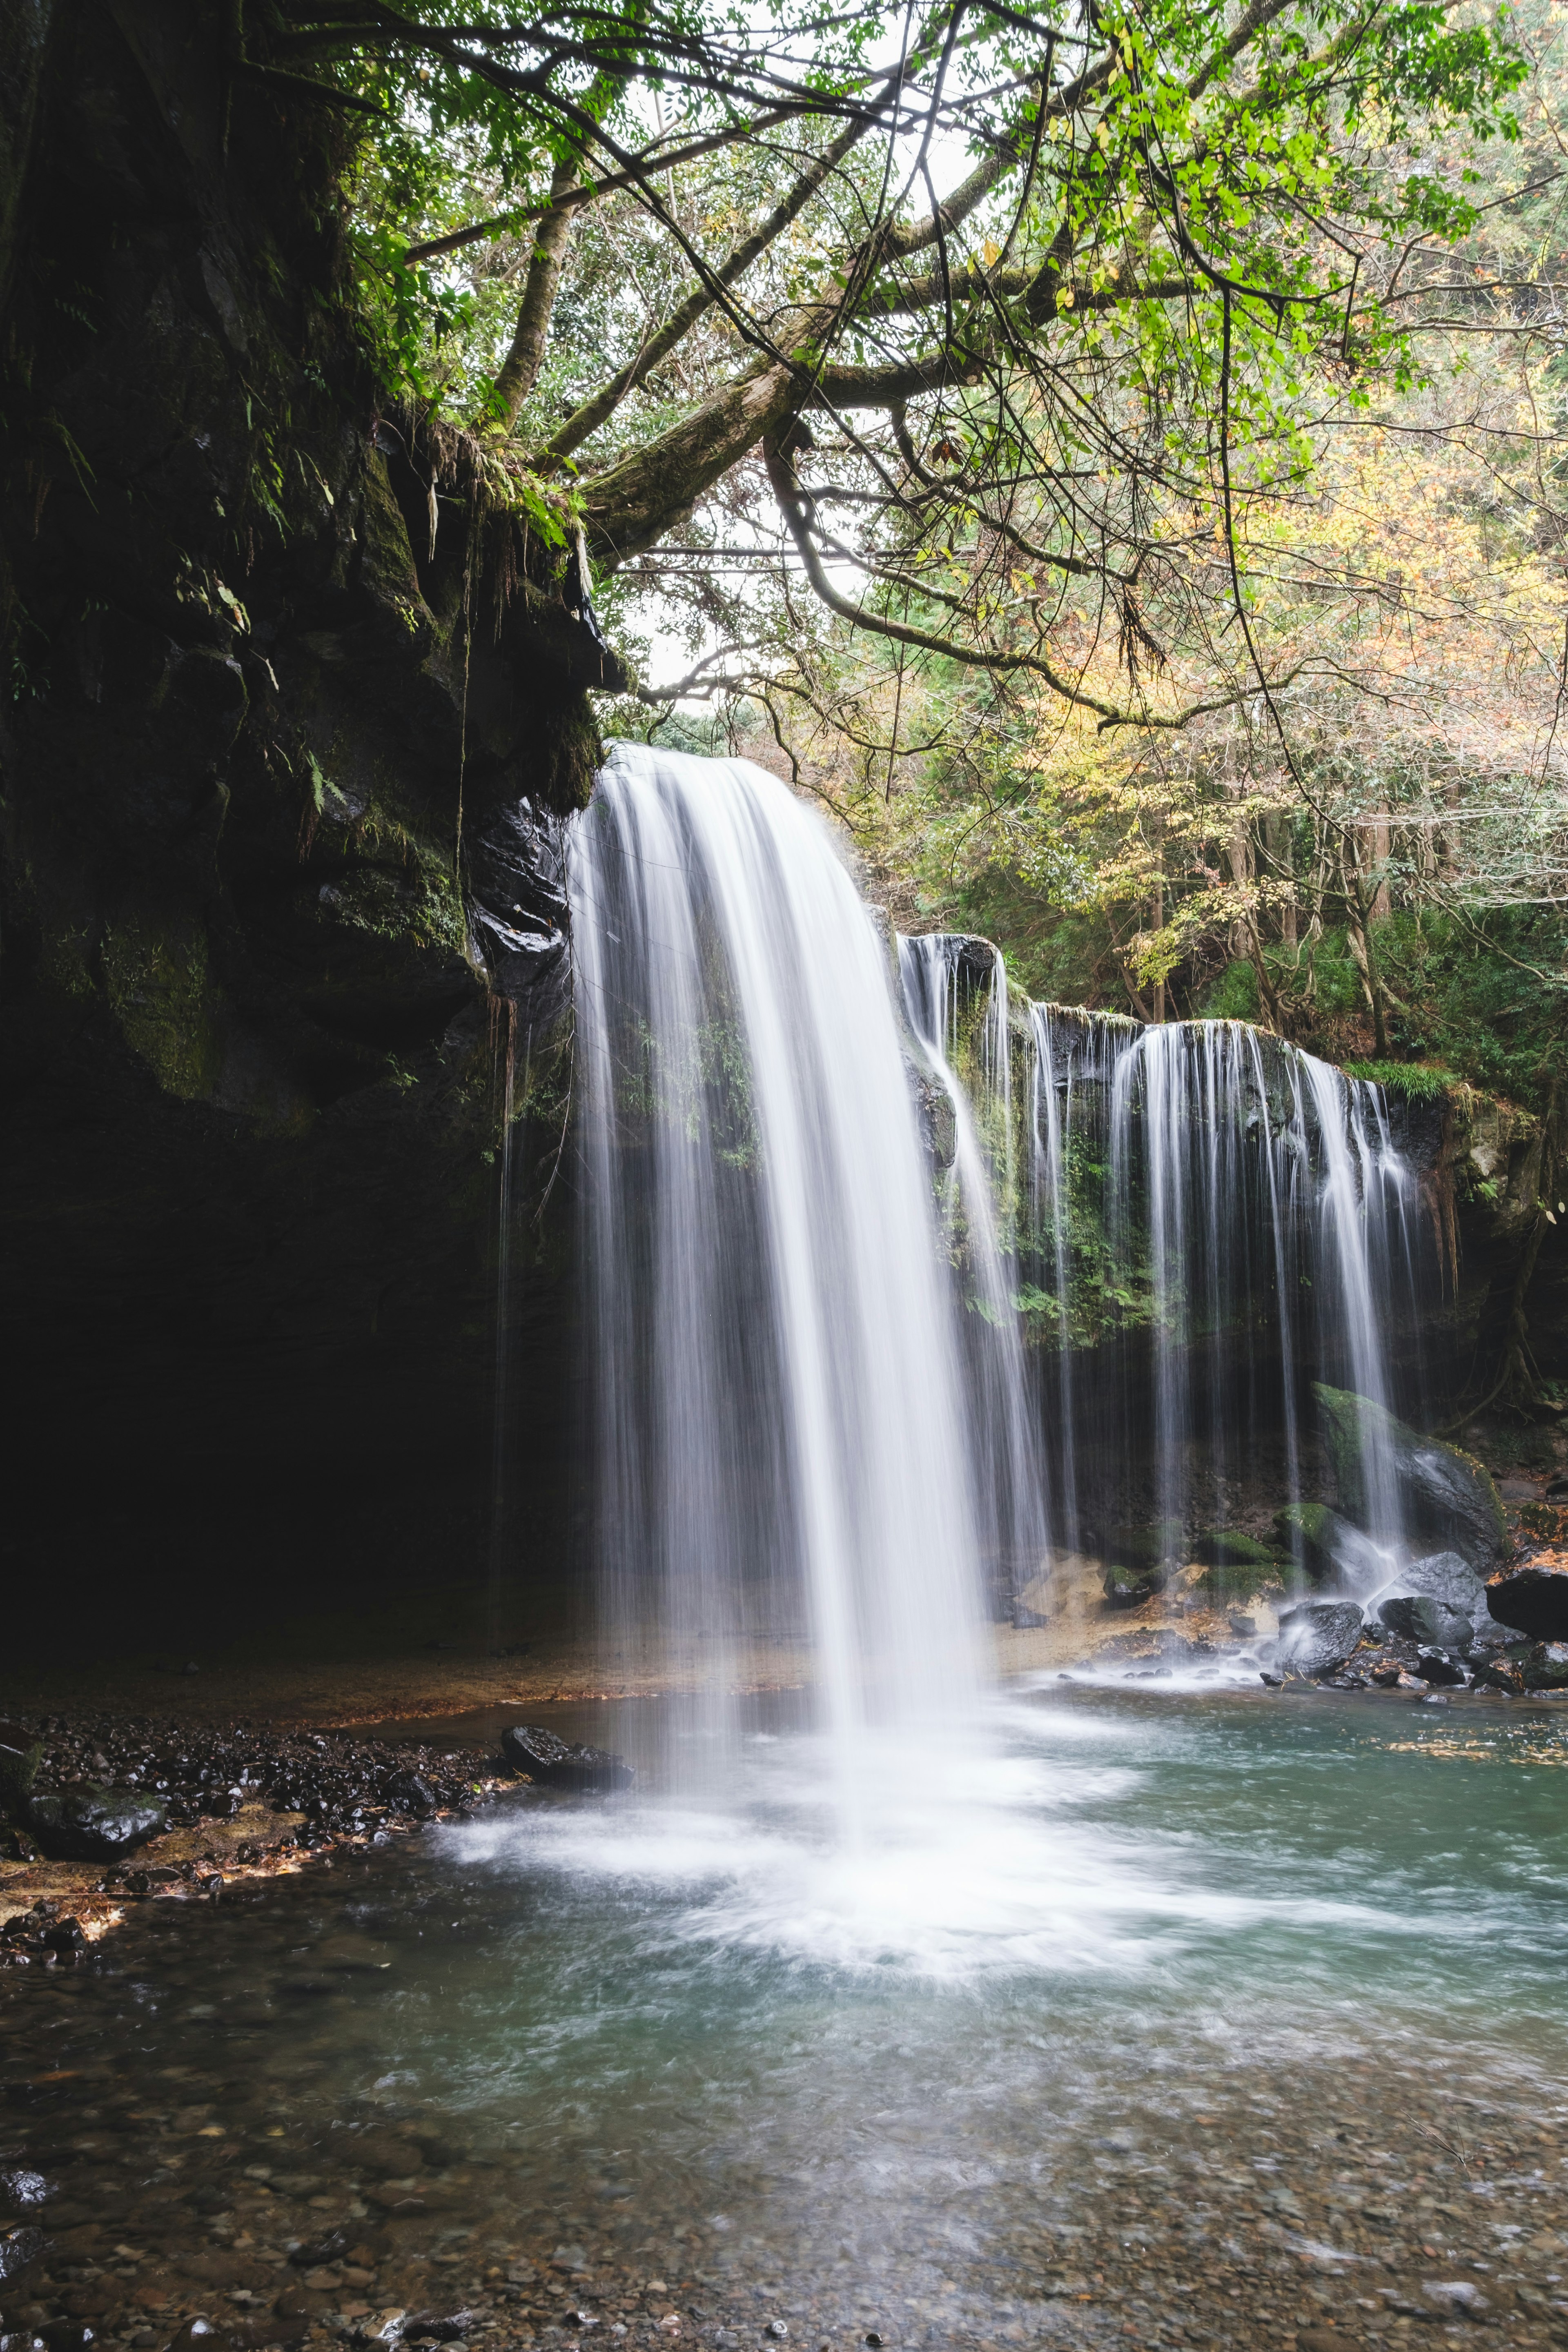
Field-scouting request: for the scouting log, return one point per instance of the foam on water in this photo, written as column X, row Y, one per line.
column 977, row 1860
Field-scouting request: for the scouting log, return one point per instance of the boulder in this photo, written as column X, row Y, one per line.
column 1326, row 1548
column 1419, row 1617
column 1444, row 1577
column 1440, row 1671
column 1533, row 1600
column 1128, row 1587
column 1546, row 1667
column 1318, row 1635
column 1237, row 1565
column 1224, row 1548
column 1441, row 1493
column 21, row 1753
column 1525, row 1666
column 93, row 1824
column 542, row 1756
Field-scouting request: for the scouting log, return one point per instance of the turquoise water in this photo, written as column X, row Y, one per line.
column 1135, row 1972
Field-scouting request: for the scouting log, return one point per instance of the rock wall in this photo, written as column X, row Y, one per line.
column 281, row 883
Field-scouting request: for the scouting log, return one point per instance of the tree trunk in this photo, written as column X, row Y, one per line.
column 520, row 369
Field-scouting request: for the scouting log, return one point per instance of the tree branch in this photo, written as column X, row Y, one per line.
column 603, row 404
column 792, row 506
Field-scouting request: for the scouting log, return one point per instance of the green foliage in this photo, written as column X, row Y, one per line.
column 1234, row 995
column 1416, row 1080
column 417, row 323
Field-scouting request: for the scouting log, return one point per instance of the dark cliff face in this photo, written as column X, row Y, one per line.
column 282, row 876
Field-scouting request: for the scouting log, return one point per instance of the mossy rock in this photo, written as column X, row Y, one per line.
column 1304, row 1532
column 1127, row 1587
column 1441, row 1491
column 1228, row 1548
column 1159, row 1545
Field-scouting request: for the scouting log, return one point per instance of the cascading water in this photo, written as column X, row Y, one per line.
column 778, row 1422
column 1264, row 1200
column 1206, row 1211
column 1011, row 1497
column 803, row 1432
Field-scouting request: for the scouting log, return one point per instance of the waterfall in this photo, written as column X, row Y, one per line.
column 832, row 1382
column 778, row 1440
column 1198, row 1215
column 1263, row 1199
column 1010, row 1496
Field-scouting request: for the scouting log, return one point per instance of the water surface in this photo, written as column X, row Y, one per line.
column 1151, row 2012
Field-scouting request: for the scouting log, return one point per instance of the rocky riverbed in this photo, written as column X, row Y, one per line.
column 238, row 1802
column 203, row 2120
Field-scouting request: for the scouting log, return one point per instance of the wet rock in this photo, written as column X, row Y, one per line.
column 1319, row 1636
column 531, row 1749
column 1442, row 1493
column 1417, row 1617
column 21, row 2186
column 1531, row 1600
column 439, row 2327
column 1326, row 1548
column 93, row 1824
column 411, row 1794
column 1128, row 1587
column 385, row 2327
column 1525, row 1666
column 21, row 1753
column 1442, row 1576
column 18, row 2247
column 1435, row 1668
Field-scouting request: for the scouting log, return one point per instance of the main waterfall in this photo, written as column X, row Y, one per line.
column 779, row 1443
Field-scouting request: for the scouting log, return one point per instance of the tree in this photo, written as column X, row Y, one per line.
column 975, row 408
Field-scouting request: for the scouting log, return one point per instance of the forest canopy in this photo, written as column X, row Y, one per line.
column 1109, row 452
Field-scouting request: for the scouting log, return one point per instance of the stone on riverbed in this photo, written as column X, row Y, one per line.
column 544, row 1756
column 93, row 1824
column 1318, row 1635
column 1533, row 1600
column 18, row 2248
